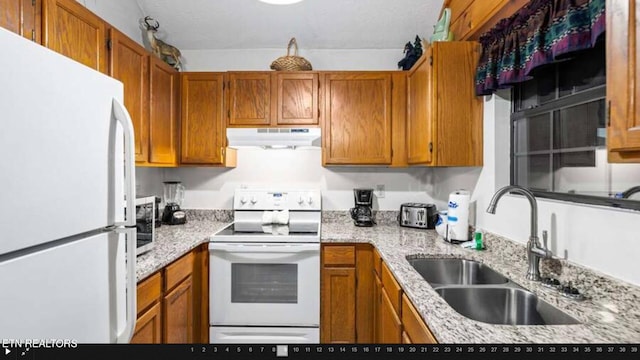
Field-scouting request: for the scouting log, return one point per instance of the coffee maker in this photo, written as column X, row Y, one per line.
column 361, row 213
column 173, row 197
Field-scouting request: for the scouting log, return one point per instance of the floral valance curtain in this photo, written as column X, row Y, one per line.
column 543, row 31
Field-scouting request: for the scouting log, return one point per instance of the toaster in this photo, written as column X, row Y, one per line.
column 418, row 215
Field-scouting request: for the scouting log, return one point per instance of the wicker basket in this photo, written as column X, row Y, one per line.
column 291, row 62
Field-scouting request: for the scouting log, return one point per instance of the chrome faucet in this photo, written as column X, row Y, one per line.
column 534, row 251
column 627, row 193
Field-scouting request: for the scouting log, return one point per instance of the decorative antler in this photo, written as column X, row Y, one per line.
column 149, row 26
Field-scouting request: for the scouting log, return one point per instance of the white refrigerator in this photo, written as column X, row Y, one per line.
column 67, row 213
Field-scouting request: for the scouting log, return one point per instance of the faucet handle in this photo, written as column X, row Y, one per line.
column 544, row 239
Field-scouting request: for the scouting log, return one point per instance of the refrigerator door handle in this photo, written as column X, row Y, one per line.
column 127, row 333
column 122, row 116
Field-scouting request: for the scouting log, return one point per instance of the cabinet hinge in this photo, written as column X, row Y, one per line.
column 229, row 113
column 33, row 35
column 108, row 44
column 431, row 147
column 608, row 113
column 33, row 2
column 430, row 60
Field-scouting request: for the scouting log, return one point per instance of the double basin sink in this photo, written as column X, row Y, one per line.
column 478, row 292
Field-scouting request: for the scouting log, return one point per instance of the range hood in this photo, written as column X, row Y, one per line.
column 273, row 138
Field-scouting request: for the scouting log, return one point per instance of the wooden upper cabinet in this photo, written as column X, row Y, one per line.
column 419, row 98
column 202, row 121
column 129, row 63
column 74, row 31
column 249, row 98
column 23, row 17
column 357, row 118
column 623, row 80
column 471, row 18
column 163, row 124
column 296, row 100
column 444, row 120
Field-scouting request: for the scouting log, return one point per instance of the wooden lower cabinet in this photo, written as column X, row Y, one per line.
column 338, row 294
column 338, row 322
column 413, row 327
column 149, row 327
column 347, row 287
column 149, row 323
column 178, row 314
column 173, row 303
column 361, row 301
column 390, row 323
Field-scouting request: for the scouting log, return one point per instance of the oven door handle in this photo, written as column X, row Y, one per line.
column 264, row 248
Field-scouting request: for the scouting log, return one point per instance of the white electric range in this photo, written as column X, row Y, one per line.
column 264, row 276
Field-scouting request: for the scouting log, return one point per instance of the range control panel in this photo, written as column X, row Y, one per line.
column 248, row 199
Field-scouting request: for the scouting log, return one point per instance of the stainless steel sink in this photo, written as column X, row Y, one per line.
column 503, row 305
column 443, row 271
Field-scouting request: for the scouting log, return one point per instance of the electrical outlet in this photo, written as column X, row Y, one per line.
column 380, row 190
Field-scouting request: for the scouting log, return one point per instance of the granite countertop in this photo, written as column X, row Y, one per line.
column 610, row 314
column 173, row 241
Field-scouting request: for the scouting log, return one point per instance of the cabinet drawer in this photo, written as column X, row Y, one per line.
column 377, row 262
column 339, row 255
column 148, row 292
column 178, row 270
column 392, row 288
column 413, row 324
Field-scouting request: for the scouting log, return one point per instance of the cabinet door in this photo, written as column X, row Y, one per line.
column 357, row 119
column 296, row 99
column 130, row 64
column 623, row 79
column 390, row 324
column 22, row 17
column 74, row 31
column 178, row 313
column 419, row 105
column 249, row 98
column 338, row 305
column 377, row 309
column 162, row 113
column 202, row 119
column 413, row 324
column 148, row 327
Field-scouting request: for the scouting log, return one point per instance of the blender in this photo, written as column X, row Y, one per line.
column 173, row 196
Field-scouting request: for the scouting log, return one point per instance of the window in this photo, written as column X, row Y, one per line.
column 558, row 128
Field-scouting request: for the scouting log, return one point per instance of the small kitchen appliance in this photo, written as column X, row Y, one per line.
column 418, row 215
column 361, row 213
column 173, row 197
column 145, row 223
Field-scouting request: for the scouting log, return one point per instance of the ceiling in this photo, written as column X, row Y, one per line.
column 316, row 24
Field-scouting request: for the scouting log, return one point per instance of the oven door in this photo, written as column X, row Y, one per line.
column 264, row 284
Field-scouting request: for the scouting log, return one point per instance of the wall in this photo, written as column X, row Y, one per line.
column 320, row 59
column 212, row 188
column 122, row 14
column 601, row 238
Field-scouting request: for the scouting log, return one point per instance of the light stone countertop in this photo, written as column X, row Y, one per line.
column 173, row 241
column 610, row 315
